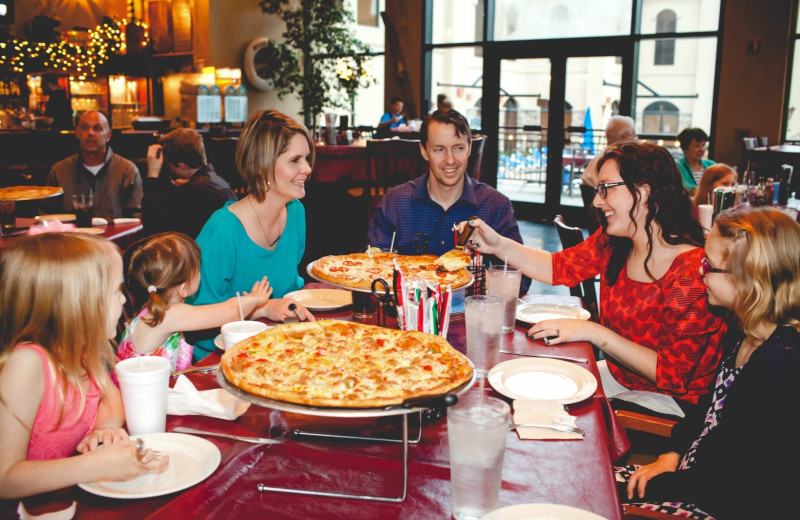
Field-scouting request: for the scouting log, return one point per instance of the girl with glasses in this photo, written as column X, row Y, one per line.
column 660, row 339
column 721, row 465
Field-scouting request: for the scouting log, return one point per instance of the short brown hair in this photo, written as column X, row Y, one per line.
column 447, row 116
column 265, row 136
column 184, row 145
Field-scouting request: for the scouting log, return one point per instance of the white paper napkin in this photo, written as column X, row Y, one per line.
column 97, row 221
column 63, row 514
column 185, row 399
column 126, row 220
column 537, row 411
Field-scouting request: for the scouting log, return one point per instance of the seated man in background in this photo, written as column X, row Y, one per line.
column 114, row 182
column 393, row 118
column 422, row 211
column 182, row 196
column 619, row 128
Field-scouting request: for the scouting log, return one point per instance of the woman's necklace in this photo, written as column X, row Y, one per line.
column 272, row 243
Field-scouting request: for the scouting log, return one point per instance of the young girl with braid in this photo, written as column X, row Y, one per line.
column 165, row 269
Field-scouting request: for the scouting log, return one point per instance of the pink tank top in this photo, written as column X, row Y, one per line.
column 49, row 440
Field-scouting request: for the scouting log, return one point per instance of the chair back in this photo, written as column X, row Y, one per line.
column 221, row 152
column 475, row 166
column 392, row 162
column 572, row 236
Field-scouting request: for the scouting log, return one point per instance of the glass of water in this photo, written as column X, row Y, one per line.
column 477, row 428
column 483, row 318
column 504, row 281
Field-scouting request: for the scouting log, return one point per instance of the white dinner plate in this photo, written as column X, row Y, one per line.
column 322, row 299
column 191, row 460
column 546, row 379
column 63, row 217
column 218, row 342
column 536, row 312
column 541, row 512
column 90, row 230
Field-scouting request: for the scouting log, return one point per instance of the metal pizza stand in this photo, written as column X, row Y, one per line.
column 415, row 405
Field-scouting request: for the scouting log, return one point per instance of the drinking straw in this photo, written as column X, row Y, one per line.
column 505, row 265
column 391, row 246
column 239, row 301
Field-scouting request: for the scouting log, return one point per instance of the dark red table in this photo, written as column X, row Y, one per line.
column 570, row 472
column 121, row 234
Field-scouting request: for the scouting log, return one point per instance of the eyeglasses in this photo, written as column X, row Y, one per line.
column 602, row 189
column 706, row 267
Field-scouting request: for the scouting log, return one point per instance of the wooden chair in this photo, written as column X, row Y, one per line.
column 659, row 426
column 391, row 162
column 572, row 236
column 221, row 153
column 475, row 166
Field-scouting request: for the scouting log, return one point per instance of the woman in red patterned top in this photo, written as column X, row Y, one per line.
column 661, row 341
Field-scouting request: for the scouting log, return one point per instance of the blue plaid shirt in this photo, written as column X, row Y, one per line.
column 408, row 210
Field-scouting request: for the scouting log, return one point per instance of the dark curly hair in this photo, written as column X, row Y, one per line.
column 668, row 203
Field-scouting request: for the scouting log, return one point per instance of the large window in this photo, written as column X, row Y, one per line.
column 792, row 115
column 673, row 75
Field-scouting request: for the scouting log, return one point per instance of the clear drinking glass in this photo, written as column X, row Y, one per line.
column 477, row 428
column 504, row 281
column 483, row 318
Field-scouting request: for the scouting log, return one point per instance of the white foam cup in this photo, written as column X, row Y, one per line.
column 144, row 384
column 236, row 331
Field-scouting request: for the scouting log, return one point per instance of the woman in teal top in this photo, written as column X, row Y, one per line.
column 265, row 232
column 692, row 164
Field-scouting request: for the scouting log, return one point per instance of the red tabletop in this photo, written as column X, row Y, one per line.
column 570, row 472
column 122, row 234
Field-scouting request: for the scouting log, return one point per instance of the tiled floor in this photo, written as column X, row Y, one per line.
column 542, row 236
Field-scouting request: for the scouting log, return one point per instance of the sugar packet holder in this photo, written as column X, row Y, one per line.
column 421, row 305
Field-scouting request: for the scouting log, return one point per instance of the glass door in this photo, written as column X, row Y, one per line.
column 538, row 167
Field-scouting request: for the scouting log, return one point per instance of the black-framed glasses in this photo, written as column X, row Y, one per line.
column 602, row 189
column 706, row 266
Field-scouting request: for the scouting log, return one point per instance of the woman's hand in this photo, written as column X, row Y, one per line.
column 101, row 437
column 281, row 309
column 483, row 238
column 565, row 330
column 666, row 463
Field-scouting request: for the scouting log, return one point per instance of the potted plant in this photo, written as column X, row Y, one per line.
column 317, row 36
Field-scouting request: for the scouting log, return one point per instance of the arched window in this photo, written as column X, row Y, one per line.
column 666, row 22
column 660, row 117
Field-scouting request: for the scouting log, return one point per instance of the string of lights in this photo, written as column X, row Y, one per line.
column 79, row 61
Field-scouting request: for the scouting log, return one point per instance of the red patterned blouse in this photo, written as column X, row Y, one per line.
column 670, row 316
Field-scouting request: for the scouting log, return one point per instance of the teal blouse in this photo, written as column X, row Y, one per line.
column 230, row 261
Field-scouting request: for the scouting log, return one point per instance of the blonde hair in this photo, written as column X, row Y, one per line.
column 158, row 265
column 265, row 136
column 761, row 251
column 55, row 291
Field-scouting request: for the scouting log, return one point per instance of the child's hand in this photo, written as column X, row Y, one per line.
column 123, row 461
column 261, row 288
column 102, row 436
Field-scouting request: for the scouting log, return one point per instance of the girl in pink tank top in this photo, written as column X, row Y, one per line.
column 60, row 300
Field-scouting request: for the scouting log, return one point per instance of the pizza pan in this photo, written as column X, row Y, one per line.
column 310, row 266
column 384, row 411
column 46, row 193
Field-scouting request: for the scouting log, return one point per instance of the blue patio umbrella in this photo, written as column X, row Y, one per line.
column 588, row 135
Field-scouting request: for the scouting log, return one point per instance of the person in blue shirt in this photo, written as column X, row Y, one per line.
column 265, row 232
column 421, row 212
column 394, row 117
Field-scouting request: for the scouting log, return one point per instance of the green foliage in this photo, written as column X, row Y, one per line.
column 317, row 37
